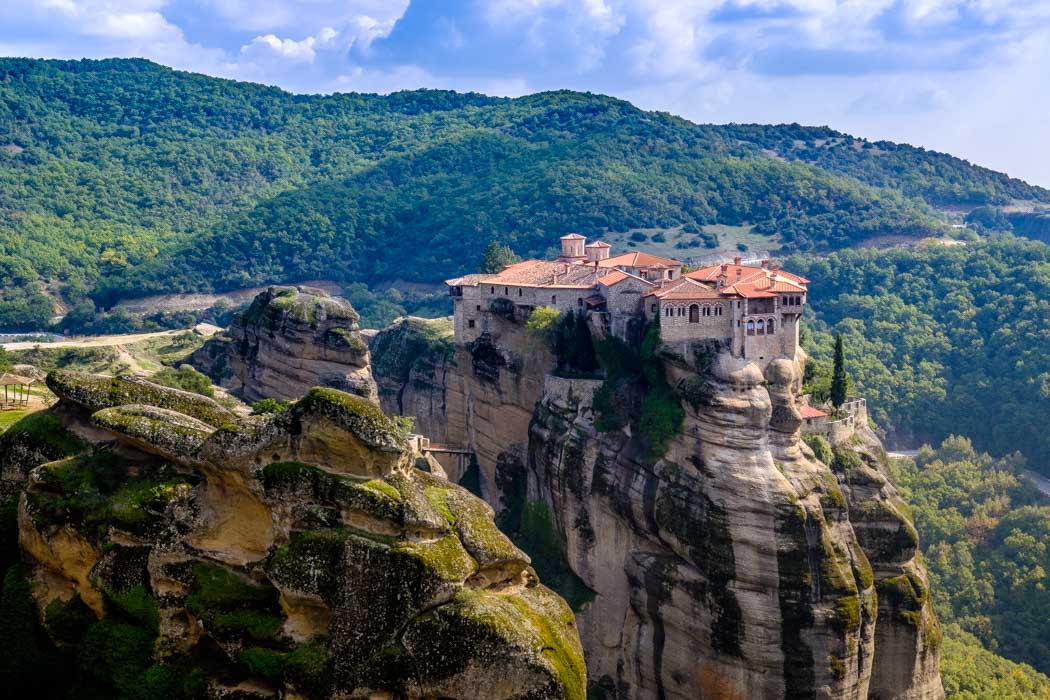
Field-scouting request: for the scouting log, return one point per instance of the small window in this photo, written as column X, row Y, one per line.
column 579, row 301
column 707, row 311
column 554, row 299
column 769, row 326
column 470, row 323
column 506, row 291
column 479, row 307
column 667, row 312
column 750, row 327
column 519, row 291
column 492, row 290
column 718, row 311
column 761, row 327
column 694, row 314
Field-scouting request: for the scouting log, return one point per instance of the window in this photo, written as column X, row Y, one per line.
column 718, row 311
column 506, row 291
column 492, row 290
column 470, row 323
column 769, row 326
column 694, row 314
column 761, row 327
column 667, row 312
column 707, row 311
column 554, row 300
column 681, row 311
column 479, row 307
column 750, row 327
column 579, row 301
column 519, row 291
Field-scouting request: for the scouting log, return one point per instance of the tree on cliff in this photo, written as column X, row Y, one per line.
column 497, row 257
column 838, row 375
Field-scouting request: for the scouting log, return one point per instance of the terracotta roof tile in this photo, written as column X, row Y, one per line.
column 810, row 412
column 639, row 259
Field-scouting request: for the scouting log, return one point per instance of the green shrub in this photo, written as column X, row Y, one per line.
column 265, row 406
column 820, row 446
column 185, row 378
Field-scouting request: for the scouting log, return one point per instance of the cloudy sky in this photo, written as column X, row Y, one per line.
column 965, row 76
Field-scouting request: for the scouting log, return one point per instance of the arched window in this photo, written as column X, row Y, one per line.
column 718, row 311
column 769, row 327
column 750, row 327
column 694, row 314
column 707, row 310
column 761, row 327
column 681, row 311
column 668, row 311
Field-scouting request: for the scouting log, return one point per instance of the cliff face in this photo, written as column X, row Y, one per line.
column 290, row 339
column 411, row 363
column 739, row 564
column 297, row 555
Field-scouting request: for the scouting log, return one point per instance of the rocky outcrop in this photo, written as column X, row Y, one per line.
column 735, row 564
column 289, row 340
column 479, row 397
column 742, row 571
column 411, row 361
column 297, row 554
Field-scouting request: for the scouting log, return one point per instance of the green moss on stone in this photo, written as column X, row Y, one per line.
column 444, row 558
column 230, row 605
column 355, row 414
column 309, row 669
column 96, row 393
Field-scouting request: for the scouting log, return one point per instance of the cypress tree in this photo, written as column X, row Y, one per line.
column 838, row 375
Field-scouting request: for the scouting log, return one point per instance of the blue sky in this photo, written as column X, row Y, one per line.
column 964, row 76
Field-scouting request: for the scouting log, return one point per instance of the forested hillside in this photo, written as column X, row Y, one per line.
column 984, row 534
column 123, row 177
column 950, row 339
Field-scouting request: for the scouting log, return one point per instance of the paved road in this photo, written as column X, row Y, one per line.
column 91, row 341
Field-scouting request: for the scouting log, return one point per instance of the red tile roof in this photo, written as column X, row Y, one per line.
column 639, row 260
column 810, row 412
column 572, row 237
column 684, row 288
column 598, row 244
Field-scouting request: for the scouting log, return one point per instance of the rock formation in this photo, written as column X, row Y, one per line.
column 414, row 356
column 300, row 554
column 289, row 340
column 735, row 564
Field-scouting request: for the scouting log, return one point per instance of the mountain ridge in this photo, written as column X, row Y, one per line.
column 122, row 177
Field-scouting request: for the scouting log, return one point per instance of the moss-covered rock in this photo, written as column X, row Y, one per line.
column 95, row 393
column 168, row 433
column 296, row 552
column 522, row 646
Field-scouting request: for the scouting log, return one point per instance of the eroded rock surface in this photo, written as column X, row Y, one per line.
column 738, row 564
column 296, row 554
column 289, row 340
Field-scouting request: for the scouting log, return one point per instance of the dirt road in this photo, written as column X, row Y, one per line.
column 92, row 341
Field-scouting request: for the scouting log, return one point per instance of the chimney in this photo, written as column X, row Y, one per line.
column 765, row 264
column 736, row 260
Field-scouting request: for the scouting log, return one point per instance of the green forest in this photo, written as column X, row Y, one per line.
column 942, row 340
column 985, row 536
column 123, row 177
